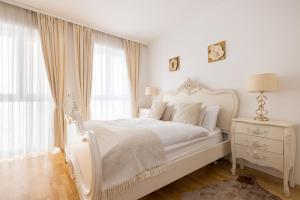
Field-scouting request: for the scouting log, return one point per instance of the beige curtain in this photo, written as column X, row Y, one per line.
column 83, row 45
column 54, row 37
column 132, row 50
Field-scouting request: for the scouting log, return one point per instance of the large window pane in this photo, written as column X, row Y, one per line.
column 110, row 87
column 26, row 104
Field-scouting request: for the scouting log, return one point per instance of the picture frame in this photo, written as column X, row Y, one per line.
column 216, row 52
column 174, row 64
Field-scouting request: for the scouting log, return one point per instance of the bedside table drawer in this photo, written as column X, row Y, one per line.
column 260, row 157
column 272, row 132
column 275, row 146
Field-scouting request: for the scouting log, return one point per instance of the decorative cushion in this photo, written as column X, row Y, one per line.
column 202, row 115
column 167, row 116
column 211, row 117
column 157, row 110
column 187, row 113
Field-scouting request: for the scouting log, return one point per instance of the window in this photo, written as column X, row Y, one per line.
column 25, row 100
column 110, row 88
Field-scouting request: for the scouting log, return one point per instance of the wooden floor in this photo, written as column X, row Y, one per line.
column 47, row 177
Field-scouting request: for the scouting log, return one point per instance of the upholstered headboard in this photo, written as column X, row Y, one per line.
column 190, row 92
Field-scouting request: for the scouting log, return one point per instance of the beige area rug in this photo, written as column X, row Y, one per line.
column 242, row 188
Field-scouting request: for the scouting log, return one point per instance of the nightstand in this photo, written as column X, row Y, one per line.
column 265, row 143
column 143, row 112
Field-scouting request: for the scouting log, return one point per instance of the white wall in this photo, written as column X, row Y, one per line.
column 261, row 36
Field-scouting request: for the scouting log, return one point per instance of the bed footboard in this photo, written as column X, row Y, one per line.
column 82, row 154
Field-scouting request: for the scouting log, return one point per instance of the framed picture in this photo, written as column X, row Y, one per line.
column 174, row 64
column 216, row 52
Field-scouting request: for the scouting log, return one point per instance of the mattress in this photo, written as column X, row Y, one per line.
column 179, row 150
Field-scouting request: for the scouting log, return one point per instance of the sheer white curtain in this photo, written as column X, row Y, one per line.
column 110, row 87
column 25, row 100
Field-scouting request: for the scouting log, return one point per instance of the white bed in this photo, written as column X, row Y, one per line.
column 183, row 155
column 178, row 139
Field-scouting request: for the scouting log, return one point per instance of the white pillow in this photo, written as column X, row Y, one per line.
column 167, row 116
column 157, row 109
column 210, row 117
column 187, row 113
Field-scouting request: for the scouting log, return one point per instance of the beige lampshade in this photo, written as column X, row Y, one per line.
column 151, row 91
column 263, row 83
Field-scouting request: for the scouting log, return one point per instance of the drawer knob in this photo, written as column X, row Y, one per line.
column 255, row 155
column 258, row 132
column 256, row 144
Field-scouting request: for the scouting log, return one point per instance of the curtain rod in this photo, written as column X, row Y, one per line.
column 31, row 8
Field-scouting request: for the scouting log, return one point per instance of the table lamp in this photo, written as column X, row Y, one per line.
column 151, row 91
column 262, row 83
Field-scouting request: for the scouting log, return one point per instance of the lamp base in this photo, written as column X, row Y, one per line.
column 261, row 118
column 260, row 111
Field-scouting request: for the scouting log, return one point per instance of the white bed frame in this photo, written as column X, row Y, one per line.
column 83, row 154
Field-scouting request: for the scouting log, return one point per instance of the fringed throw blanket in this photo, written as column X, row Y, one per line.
column 128, row 154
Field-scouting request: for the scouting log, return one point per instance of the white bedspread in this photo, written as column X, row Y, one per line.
column 128, row 155
column 133, row 149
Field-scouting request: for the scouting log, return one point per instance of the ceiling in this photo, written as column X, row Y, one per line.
column 138, row 20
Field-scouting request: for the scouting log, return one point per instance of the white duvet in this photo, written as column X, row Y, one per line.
column 169, row 132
